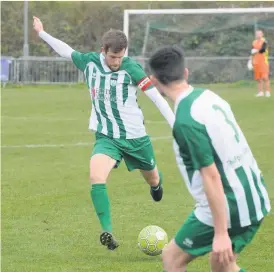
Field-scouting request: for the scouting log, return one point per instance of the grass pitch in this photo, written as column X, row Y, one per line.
column 48, row 222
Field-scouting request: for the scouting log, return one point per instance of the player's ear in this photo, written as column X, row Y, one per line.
column 103, row 51
column 186, row 73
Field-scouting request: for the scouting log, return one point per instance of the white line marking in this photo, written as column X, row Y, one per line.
column 155, row 122
column 53, row 119
column 50, row 119
column 160, row 138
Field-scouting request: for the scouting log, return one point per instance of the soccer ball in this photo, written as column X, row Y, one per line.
column 152, row 240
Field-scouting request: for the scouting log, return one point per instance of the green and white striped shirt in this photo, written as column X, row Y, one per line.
column 206, row 132
column 115, row 111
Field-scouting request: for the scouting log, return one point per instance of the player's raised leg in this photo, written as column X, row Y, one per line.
column 154, row 178
column 139, row 154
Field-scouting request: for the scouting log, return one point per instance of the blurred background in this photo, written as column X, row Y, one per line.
column 217, row 46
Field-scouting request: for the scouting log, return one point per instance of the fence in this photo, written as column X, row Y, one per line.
column 46, row 70
column 216, row 69
column 43, row 70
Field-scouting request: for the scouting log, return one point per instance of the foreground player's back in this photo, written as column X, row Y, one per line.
column 210, row 134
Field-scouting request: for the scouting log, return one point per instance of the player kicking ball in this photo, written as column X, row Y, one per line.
column 116, row 118
column 219, row 170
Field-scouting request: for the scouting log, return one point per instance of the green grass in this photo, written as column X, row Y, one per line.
column 48, row 222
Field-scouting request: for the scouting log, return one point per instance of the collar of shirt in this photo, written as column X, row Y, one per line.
column 183, row 95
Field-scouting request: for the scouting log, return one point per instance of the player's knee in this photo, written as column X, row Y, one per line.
column 167, row 258
column 95, row 177
column 217, row 267
column 171, row 260
column 100, row 166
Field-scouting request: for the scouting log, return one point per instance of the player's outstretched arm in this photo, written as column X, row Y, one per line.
column 144, row 83
column 161, row 104
column 58, row 46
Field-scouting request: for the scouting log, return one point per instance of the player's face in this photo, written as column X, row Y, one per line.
column 259, row 34
column 114, row 60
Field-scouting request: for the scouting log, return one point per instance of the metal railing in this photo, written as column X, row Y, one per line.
column 56, row 70
column 43, row 70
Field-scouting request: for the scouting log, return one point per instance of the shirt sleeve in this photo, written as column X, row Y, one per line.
column 58, row 46
column 196, row 144
column 80, row 60
column 161, row 104
column 140, row 78
column 264, row 46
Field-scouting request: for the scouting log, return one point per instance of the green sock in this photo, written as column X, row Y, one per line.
column 160, row 183
column 101, row 204
column 242, row 270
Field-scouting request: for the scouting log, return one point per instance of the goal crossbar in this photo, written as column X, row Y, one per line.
column 128, row 12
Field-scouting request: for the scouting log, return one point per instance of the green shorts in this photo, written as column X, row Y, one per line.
column 196, row 238
column 137, row 153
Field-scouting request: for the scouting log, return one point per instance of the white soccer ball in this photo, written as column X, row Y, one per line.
column 152, row 240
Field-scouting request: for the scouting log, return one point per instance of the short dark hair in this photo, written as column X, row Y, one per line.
column 167, row 64
column 114, row 40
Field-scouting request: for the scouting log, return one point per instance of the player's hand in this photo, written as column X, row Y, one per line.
column 222, row 249
column 37, row 24
column 254, row 51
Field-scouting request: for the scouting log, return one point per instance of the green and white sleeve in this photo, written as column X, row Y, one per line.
column 195, row 142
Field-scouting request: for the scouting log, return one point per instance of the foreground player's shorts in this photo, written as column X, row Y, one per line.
column 196, row 238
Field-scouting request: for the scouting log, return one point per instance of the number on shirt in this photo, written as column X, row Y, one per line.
column 229, row 122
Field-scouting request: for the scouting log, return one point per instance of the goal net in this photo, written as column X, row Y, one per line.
column 216, row 42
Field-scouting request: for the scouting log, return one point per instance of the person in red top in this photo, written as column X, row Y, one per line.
column 260, row 63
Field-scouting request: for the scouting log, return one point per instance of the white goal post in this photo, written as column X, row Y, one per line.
column 156, row 12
